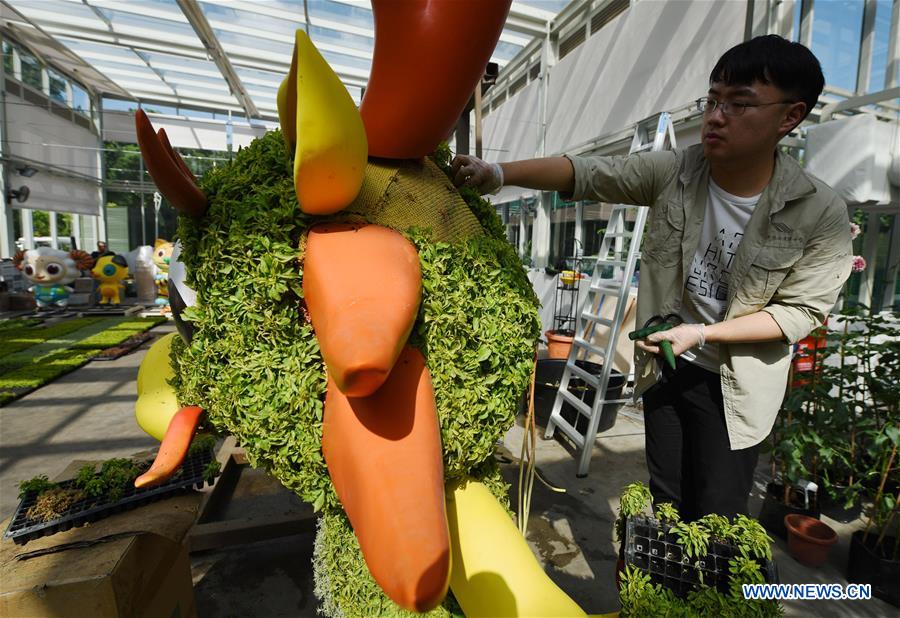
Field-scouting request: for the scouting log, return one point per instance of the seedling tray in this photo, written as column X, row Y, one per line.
column 653, row 549
column 23, row 528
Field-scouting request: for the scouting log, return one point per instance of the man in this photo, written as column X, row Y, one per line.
column 748, row 250
column 101, row 250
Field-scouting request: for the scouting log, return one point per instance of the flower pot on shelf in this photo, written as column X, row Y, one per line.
column 809, row 539
column 773, row 510
column 870, row 565
column 559, row 342
column 569, row 277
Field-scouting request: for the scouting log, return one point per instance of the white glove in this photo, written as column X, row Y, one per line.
column 480, row 175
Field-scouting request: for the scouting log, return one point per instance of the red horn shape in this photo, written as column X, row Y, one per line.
column 171, row 181
column 164, row 140
column 429, row 55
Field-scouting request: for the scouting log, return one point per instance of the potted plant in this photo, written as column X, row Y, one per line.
column 561, row 336
column 874, row 439
column 829, row 419
column 875, row 551
column 789, row 491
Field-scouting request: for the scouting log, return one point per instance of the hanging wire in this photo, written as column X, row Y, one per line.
column 527, row 468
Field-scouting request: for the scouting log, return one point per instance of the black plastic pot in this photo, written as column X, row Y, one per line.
column 773, row 510
column 547, row 380
column 866, row 565
column 650, row 548
column 835, row 509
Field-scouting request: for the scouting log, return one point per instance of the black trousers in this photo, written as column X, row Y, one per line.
column 688, row 452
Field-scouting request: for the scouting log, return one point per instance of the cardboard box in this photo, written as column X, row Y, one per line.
column 128, row 575
column 132, row 564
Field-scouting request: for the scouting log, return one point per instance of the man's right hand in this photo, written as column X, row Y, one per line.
column 480, row 175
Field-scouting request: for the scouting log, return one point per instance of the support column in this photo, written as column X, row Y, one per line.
column 54, row 236
column 27, row 227
column 7, row 229
column 893, row 50
column 100, row 219
column 523, row 228
column 540, row 232
column 806, row 19
column 578, row 248
column 76, row 231
column 864, row 70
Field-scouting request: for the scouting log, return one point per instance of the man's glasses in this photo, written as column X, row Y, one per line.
column 730, row 108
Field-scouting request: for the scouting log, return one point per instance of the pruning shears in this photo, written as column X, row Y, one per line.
column 655, row 324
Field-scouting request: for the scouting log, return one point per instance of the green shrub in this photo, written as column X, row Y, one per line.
column 118, row 334
column 29, row 365
column 36, row 485
column 14, row 340
column 114, row 475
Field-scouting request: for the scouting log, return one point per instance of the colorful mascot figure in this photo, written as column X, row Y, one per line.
column 110, row 271
column 51, row 271
column 162, row 256
column 362, row 327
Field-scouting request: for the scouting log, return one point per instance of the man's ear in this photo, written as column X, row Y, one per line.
column 792, row 118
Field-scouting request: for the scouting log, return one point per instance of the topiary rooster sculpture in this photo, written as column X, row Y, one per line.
column 361, row 326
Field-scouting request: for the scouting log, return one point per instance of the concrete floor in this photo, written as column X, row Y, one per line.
column 89, row 414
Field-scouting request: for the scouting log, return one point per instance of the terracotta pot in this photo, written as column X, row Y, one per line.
column 558, row 345
column 809, row 539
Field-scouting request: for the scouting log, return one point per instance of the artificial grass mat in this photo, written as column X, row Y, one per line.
column 31, row 356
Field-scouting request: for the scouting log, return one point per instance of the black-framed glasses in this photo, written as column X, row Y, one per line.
column 708, row 105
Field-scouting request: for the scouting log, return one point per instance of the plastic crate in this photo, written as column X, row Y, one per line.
column 653, row 549
column 23, row 528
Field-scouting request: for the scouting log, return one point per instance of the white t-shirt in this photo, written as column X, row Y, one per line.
column 706, row 288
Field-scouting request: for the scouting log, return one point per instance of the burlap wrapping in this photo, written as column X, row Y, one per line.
column 414, row 194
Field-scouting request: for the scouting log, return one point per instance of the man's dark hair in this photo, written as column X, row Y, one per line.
column 771, row 59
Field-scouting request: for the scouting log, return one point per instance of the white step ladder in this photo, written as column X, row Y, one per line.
column 610, row 282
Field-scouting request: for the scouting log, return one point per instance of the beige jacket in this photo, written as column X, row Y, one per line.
column 792, row 262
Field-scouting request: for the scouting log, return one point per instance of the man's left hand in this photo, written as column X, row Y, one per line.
column 683, row 337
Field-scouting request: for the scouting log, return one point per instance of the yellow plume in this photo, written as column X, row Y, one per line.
column 320, row 120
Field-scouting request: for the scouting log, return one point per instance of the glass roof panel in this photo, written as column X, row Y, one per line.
column 99, row 53
column 244, row 43
column 337, row 12
column 506, row 51
column 40, row 10
column 167, row 62
column 344, row 39
column 551, row 6
column 124, row 21
column 150, row 46
column 221, row 16
column 267, row 79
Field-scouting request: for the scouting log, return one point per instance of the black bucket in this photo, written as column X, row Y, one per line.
column 549, row 375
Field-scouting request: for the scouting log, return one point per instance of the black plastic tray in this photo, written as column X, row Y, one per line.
column 651, row 548
column 23, row 528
